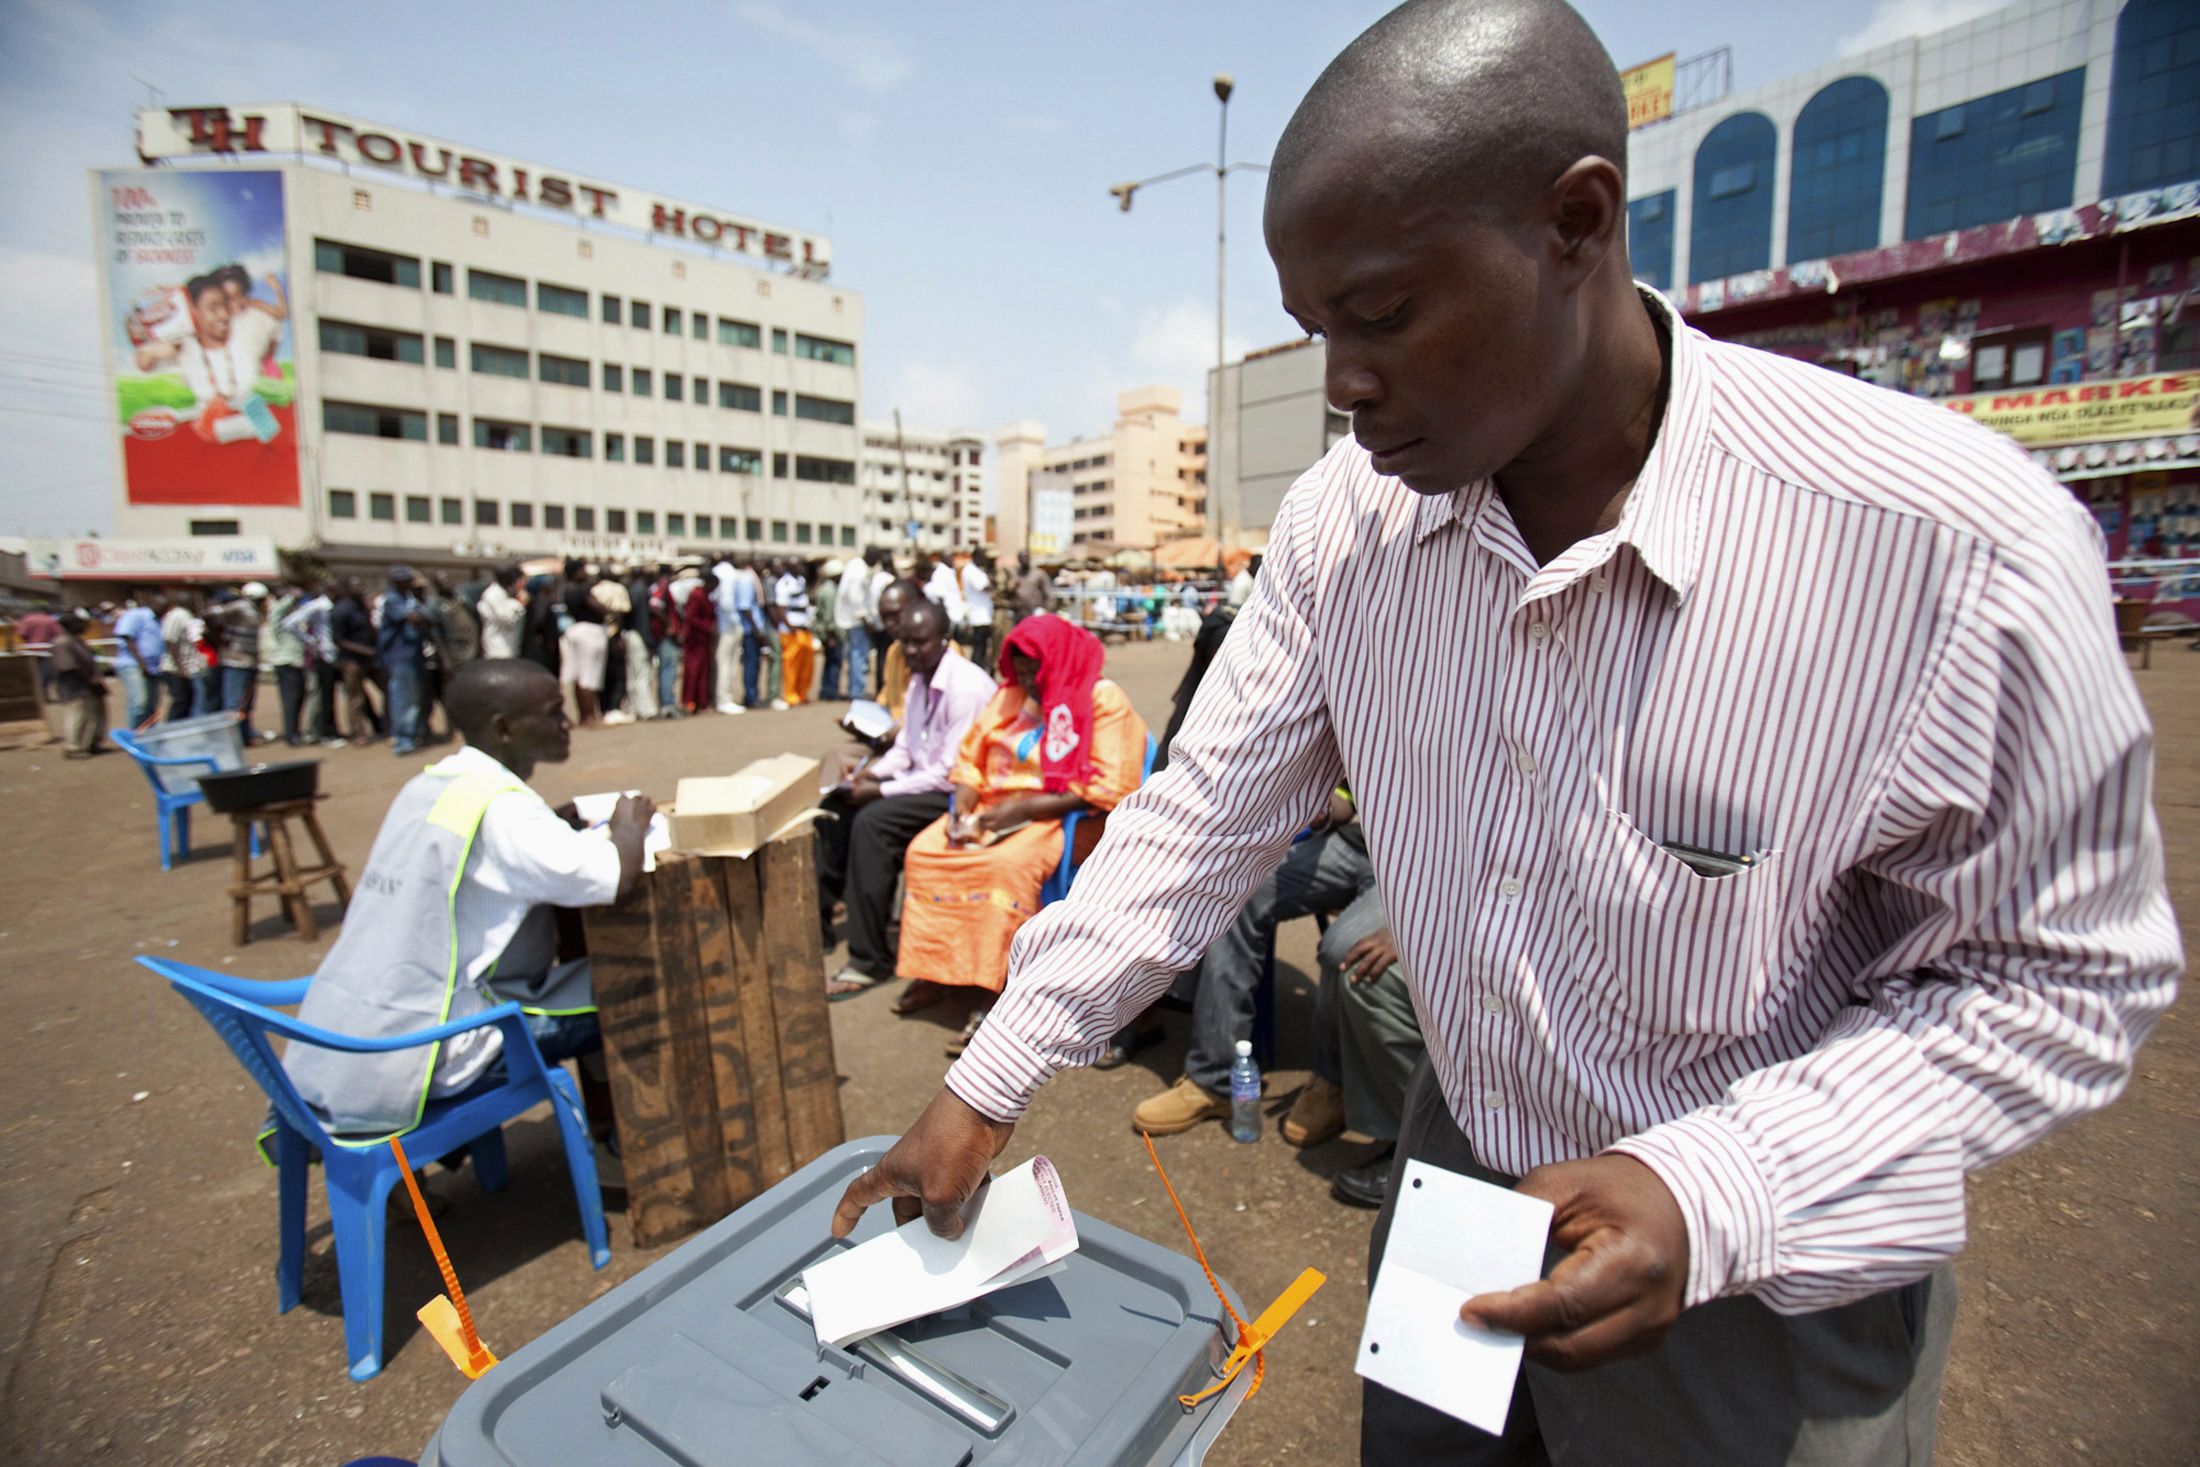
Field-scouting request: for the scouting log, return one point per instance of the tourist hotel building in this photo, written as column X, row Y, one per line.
column 491, row 358
column 2004, row 216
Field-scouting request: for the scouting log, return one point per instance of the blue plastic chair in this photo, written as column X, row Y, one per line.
column 1057, row 885
column 171, row 808
column 359, row 1178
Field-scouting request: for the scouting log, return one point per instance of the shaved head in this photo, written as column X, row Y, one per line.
column 1484, row 101
column 510, row 709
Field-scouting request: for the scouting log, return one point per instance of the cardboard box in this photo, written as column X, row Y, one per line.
column 735, row 814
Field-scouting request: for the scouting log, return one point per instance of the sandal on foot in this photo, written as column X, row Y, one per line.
column 921, row 993
column 969, row 1032
column 849, row 982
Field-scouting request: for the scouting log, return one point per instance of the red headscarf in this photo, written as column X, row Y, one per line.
column 1069, row 659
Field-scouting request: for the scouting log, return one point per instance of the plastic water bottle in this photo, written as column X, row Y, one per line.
column 1244, row 1094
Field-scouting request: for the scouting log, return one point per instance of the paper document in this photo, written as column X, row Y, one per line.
column 1451, row 1238
column 1019, row 1228
column 867, row 719
column 595, row 812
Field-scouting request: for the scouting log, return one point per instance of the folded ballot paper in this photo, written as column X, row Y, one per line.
column 1451, row 1238
column 1019, row 1228
column 595, row 812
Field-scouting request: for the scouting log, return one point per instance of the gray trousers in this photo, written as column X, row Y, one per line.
column 1733, row 1383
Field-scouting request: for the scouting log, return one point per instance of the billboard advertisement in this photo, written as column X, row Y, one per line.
column 2091, row 412
column 198, row 336
column 1649, row 89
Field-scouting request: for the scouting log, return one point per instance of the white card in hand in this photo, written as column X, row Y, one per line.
column 1451, row 1238
column 1017, row 1229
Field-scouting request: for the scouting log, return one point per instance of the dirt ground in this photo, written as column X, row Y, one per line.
column 137, row 1247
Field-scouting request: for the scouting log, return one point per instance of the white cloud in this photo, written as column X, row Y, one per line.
column 1175, row 344
column 872, row 59
column 858, row 127
column 936, row 395
column 1896, row 20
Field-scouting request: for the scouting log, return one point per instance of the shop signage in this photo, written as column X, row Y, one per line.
column 179, row 132
column 2089, row 412
column 165, row 558
column 1649, row 89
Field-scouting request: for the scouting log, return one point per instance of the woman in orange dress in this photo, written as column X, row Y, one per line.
column 1056, row 738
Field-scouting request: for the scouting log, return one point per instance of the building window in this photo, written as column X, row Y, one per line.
column 676, row 524
column 332, row 258
column 2153, row 98
column 1995, row 157
column 702, row 458
column 738, row 333
column 565, row 371
column 614, row 377
column 417, row 510
column 824, row 409
column 802, row 532
column 553, row 517
column 1836, row 170
column 440, row 274
column 779, row 404
column 642, row 381
column 382, row 507
column 454, row 511
column 503, row 437
column 740, row 397
column 779, row 341
column 701, row 395
column 523, row 515
column 343, row 504
column 584, row 519
column 614, row 448
column 614, row 310
column 638, row 315
column 446, row 429
column 847, row 535
column 645, row 450
column 779, row 532
column 614, row 521
column 752, row 530
column 825, row 349
column 499, row 361
column 824, row 470
column 740, row 461
column 486, row 513
column 675, row 453
column 568, row 443
column 675, row 384
column 645, row 522
column 699, row 326
column 779, row 466
column 372, row 342
column 500, row 290
column 2009, row 358
column 558, row 300
column 1732, row 229
column 672, row 320
column 446, row 352
column 373, row 422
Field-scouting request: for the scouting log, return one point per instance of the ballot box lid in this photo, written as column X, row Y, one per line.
column 702, row 1361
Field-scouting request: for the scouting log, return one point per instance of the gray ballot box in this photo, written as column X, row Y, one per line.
column 707, row 1359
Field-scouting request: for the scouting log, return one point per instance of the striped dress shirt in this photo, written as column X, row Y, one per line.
column 1840, row 631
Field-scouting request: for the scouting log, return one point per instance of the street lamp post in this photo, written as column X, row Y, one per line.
column 1222, row 168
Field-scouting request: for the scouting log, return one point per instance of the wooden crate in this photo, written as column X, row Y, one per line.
column 710, row 980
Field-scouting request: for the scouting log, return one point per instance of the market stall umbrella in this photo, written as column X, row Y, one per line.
column 1194, row 552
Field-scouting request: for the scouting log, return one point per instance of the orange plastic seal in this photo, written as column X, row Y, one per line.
column 445, row 1317
column 1252, row 1339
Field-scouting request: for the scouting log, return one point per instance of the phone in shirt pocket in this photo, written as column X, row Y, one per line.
column 1689, row 936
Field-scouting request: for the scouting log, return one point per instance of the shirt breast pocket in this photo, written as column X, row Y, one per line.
column 1681, row 952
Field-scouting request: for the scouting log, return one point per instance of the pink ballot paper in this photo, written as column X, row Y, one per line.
column 1019, row 1228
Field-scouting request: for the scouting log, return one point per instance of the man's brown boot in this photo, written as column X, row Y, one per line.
column 1179, row 1108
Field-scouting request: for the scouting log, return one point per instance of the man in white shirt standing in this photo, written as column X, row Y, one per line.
column 502, row 611
column 852, row 613
column 723, row 579
column 451, row 914
column 797, row 646
column 977, row 589
column 943, row 588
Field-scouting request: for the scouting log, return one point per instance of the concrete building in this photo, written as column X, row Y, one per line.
column 1270, row 419
column 480, row 377
column 942, row 492
column 1137, row 486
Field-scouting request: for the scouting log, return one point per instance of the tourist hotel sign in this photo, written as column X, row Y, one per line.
column 285, row 128
column 1649, row 89
column 2089, row 412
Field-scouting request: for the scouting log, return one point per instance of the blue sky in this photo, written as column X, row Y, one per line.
column 959, row 155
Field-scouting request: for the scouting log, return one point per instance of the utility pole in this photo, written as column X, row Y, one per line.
column 908, row 509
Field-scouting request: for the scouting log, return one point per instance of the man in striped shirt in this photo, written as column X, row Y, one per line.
column 1759, row 796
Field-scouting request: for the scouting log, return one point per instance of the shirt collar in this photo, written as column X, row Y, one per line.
column 1661, row 518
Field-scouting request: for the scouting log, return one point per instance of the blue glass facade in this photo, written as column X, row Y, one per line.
column 1995, row 157
column 1730, row 229
column 1837, row 170
column 1650, row 239
column 2154, row 98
